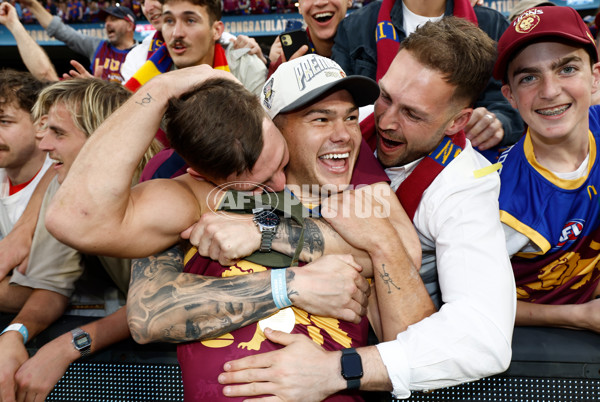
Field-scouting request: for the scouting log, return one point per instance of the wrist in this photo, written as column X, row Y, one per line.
column 279, row 288
column 17, row 330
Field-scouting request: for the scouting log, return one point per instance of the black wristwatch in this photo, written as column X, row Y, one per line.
column 82, row 341
column 267, row 222
column 352, row 370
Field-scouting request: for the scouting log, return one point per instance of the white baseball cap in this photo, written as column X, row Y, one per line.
column 298, row 82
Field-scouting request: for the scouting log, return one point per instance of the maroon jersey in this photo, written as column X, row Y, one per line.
column 111, row 59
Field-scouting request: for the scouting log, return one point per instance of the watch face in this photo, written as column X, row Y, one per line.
column 267, row 218
column 351, row 366
column 81, row 341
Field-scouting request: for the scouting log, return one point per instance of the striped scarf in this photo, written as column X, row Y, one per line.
column 161, row 62
column 387, row 39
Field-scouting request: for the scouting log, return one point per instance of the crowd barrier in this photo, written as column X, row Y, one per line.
column 548, row 364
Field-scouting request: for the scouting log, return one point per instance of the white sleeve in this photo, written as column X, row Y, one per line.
column 135, row 59
column 247, row 68
column 470, row 336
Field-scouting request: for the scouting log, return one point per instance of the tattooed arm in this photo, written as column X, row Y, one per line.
column 166, row 304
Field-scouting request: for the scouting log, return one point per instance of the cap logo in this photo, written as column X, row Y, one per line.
column 527, row 24
column 268, row 93
column 527, row 21
column 311, row 68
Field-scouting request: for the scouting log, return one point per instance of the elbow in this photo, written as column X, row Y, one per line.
column 138, row 326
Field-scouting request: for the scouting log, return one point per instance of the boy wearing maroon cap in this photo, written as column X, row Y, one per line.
column 549, row 202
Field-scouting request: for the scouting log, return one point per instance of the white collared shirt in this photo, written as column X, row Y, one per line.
column 463, row 243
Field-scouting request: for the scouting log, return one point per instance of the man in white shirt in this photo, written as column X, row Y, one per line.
column 419, row 121
column 22, row 163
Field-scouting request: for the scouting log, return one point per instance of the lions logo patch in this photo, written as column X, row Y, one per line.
column 527, row 23
column 268, row 92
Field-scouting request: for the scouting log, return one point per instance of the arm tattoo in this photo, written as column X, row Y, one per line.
column 288, row 237
column 385, row 277
column 165, row 304
column 145, row 100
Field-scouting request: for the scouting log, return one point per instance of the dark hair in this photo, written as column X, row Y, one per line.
column 216, row 128
column 462, row 52
column 213, row 7
column 19, row 88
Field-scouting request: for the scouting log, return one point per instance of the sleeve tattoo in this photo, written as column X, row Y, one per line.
column 165, row 304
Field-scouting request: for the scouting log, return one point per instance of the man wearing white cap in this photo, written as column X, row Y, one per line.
column 316, row 107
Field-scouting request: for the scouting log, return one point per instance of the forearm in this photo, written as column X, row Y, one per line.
column 34, row 57
column 401, row 295
column 549, row 315
column 28, row 219
column 41, row 309
column 319, row 239
column 165, row 304
column 40, row 13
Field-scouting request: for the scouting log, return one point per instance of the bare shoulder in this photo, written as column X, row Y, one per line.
column 206, row 194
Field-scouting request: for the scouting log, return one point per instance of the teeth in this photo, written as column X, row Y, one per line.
column 336, row 156
column 324, row 15
column 553, row 111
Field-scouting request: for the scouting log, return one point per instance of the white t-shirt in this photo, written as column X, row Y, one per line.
column 12, row 206
column 412, row 21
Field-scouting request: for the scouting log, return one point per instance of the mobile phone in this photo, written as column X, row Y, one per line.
column 292, row 41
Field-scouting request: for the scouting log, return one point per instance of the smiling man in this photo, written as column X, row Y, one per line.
column 549, row 196
column 106, row 56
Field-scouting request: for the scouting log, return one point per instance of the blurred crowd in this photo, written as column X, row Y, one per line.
column 82, row 11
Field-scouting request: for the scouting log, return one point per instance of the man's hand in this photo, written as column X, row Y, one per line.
column 331, row 286
column 302, row 371
column 484, row 129
column 81, row 72
column 243, row 41
column 37, row 376
column 182, row 80
column 224, row 237
column 8, row 15
column 355, row 214
column 12, row 355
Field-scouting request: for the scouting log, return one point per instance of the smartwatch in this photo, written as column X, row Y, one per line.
column 352, row 370
column 267, row 222
column 82, row 341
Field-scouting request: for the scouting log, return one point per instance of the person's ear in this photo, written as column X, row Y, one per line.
column 195, row 174
column 596, row 77
column 507, row 92
column 218, row 29
column 459, row 121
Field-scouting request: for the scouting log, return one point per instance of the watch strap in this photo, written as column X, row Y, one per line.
column 353, row 384
column 266, row 239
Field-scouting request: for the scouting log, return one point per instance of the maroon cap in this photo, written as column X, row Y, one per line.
column 561, row 24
